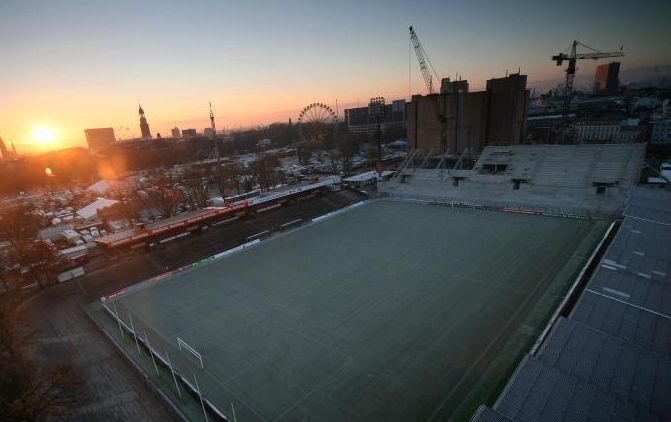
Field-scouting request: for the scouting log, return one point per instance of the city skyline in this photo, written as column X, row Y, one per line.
column 74, row 65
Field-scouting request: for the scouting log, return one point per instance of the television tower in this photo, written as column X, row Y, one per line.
column 214, row 154
column 214, row 128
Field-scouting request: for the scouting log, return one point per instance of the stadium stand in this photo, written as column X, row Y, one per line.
column 610, row 358
column 568, row 179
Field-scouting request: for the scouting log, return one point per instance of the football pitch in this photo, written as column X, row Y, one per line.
column 389, row 311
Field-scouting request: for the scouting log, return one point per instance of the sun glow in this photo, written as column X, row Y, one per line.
column 44, row 136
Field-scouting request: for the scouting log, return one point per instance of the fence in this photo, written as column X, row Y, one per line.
column 179, row 365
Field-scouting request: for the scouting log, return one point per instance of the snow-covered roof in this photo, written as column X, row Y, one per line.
column 90, row 211
column 101, row 187
column 362, row 177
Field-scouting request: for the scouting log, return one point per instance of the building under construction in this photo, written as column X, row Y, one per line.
column 606, row 79
column 471, row 120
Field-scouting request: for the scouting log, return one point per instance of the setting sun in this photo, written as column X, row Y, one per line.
column 44, row 136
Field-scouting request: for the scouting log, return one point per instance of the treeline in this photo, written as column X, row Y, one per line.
column 29, row 172
column 78, row 165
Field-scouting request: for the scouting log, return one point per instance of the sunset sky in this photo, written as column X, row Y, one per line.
column 70, row 65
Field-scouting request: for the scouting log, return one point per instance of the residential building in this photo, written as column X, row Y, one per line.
column 189, row 133
column 360, row 120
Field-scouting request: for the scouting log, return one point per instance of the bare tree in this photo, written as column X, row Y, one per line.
column 43, row 263
column 19, row 226
column 304, row 152
column 165, row 199
column 336, row 161
column 10, row 277
column 227, row 176
column 129, row 204
column 29, row 391
column 348, row 145
column 163, row 196
column 198, row 183
column 264, row 169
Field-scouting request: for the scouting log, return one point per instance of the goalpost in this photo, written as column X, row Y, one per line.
column 182, row 344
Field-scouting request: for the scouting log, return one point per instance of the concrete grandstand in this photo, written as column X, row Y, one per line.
column 568, row 179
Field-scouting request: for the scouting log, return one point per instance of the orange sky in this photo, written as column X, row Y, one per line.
column 67, row 114
column 82, row 64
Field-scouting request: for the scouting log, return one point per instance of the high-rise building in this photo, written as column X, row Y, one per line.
column 99, row 138
column 144, row 126
column 176, row 133
column 606, row 80
column 471, row 119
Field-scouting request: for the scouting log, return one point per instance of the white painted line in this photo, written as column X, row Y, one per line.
column 638, row 253
column 609, row 267
column 659, row 273
column 635, row 231
column 648, row 220
column 643, row 308
column 613, row 264
column 616, row 292
column 644, row 275
column 291, row 222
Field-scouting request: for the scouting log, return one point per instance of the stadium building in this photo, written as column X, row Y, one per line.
column 533, row 286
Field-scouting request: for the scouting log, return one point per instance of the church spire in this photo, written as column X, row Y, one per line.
column 144, row 126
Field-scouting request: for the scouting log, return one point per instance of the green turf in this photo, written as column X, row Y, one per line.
column 391, row 311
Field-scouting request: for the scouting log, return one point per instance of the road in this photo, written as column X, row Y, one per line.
column 113, row 390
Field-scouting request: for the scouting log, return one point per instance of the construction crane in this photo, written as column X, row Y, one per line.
column 423, row 60
column 572, row 57
column 424, row 64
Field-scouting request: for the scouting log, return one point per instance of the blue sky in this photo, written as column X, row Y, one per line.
column 76, row 64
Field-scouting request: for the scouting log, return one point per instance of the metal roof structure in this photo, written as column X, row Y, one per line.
column 610, row 360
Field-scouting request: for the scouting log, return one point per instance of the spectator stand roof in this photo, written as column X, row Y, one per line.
column 611, row 358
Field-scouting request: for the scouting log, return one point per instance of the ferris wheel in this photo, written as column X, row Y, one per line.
column 315, row 122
